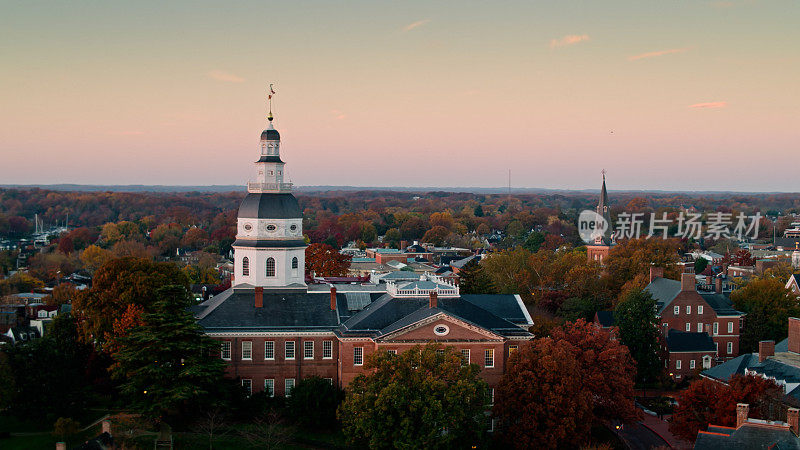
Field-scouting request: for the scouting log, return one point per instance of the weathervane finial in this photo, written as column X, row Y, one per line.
column 604, row 173
column 269, row 97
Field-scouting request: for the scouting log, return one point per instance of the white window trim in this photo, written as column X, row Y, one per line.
column 730, row 327
column 306, row 347
column 730, row 348
column 250, row 382
column 465, row 353
column 716, row 328
column 286, row 350
column 699, row 309
column 250, row 358
column 358, row 351
column 691, row 364
column 287, row 391
column 488, row 353
column 269, row 391
column 678, row 364
column 222, row 350
column 688, row 309
column 512, row 349
column 330, row 344
column 676, row 310
column 699, row 327
column 688, row 326
column 266, row 346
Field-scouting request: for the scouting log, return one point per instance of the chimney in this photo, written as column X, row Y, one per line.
column 687, row 282
column 742, row 411
column 434, row 301
column 259, row 297
column 106, row 426
column 794, row 422
column 656, row 272
column 708, row 280
column 765, row 350
column 333, row 298
column 718, row 285
column 794, row 335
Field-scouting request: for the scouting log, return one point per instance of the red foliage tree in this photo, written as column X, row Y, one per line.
column 541, row 401
column 324, row 261
column 707, row 402
column 608, row 370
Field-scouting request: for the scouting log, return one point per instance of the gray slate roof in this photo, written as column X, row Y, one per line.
column 683, row 341
column 270, row 206
column 664, row 291
column 748, row 436
column 606, row 318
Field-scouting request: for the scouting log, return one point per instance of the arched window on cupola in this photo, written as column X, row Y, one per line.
column 294, row 266
column 245, row 267
column 270, row 267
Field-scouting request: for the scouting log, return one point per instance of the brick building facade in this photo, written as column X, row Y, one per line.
column 274, row 330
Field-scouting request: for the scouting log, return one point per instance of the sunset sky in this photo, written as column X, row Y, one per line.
column 689, row 95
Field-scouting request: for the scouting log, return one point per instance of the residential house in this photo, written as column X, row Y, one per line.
column 751, row 433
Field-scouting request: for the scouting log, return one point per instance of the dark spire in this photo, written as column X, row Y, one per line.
column 603, row 195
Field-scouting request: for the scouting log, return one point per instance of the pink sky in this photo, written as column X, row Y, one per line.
column 664, row 96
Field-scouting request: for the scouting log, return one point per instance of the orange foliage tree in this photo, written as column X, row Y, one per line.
column 707, row 402
column 324, row 261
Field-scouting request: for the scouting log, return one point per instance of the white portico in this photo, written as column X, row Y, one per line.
column 269, row 250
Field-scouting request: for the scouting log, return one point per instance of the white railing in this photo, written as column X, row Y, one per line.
column 268, row 187
column 443, row 288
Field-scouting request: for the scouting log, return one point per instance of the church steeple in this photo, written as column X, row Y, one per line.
column 603, row 211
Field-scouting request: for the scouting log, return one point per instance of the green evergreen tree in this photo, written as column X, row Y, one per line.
column 473, row 279
column 638, row 329
column 313, row 402
column 168, row 366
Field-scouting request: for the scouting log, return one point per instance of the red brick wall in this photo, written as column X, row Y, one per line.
column 685, row 359
column 258, row 369
column 707, row 318
column 794, row 335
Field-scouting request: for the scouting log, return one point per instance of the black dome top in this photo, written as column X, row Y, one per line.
column 270, row 206
column 270, row 135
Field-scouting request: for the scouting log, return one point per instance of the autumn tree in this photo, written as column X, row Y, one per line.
column 117, row 284
column 768, row 306
column 540, row 401
column 607, row 370
column 94, row 257
column 324, row 261
column 407, row 400
column 628, row 264
column 638, row 330
column 168, row 367
column 706, row 402
column 509, row 271
column 436, row 235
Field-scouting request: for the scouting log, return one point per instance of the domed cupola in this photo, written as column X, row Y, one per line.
column 269, row 250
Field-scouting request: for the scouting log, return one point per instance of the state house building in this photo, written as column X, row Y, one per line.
column 275, row 330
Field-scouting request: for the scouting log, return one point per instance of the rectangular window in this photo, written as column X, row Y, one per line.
column 327, row 349
column 225, row 351
column 678, row 364
column 308, row 350
column 716, row 328
column 247, row 384
column 512, row 349
column 676, row 310
column 699, row 327
column 288, row 385
column 358, row 356
column 491, row 396
column 247, row 350
column 288, row 349
column 730, row 348
column 691, row 364
column 688, row 326
column 688, row 309
column 269, row 387
column 488, row 358
column 269, row 350
column 329, row 380
column 465, row 355
column 392, row 352
column 716, row 348
column 730, row 327
column 699, row 309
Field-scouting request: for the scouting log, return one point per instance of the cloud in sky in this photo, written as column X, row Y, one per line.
column 225, row 76
column 658, row 53
column 569, row 39
column 339, row 115
column 416, row 24
column 709, row 105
